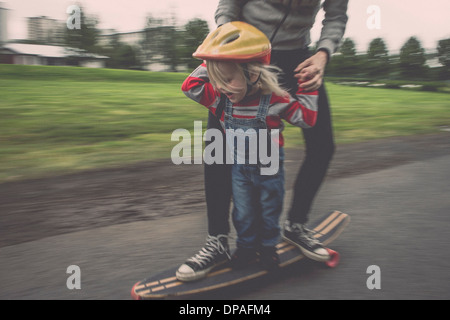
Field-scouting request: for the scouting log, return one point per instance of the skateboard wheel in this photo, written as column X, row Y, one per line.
column 134, row 295
column 334, row 258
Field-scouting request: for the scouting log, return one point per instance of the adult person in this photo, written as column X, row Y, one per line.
column 287, row 23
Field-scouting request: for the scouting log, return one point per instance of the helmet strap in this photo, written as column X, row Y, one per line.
column 250, row 84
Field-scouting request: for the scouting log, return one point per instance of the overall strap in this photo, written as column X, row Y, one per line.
column 264, row 107
column 228, row 106
column 221, row 106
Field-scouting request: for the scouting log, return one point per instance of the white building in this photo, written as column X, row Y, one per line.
column 134, row 38
column 3, row 24
column 46, row 30
column 32, row 54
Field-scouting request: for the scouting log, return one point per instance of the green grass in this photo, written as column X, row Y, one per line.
column 57, row 120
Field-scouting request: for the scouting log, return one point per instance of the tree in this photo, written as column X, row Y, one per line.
column 443, row 51
column 126, row 57
column 170, row 47
column 195, row 31
column 377, row 58
column 345, row 63
column 412, row 59
column 151, row 43
column 122, row 56
column 86, row 37
column 161, row 41
column 348, row 48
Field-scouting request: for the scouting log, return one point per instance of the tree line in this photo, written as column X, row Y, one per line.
column 377, row 63
column 164, row 42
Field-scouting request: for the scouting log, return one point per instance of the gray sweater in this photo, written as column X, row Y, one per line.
column 300, row 15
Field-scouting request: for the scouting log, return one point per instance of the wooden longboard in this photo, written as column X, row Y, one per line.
column 166, row 285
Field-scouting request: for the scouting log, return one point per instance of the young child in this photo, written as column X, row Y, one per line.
column 236, row 68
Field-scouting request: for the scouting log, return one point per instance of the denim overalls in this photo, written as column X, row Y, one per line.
column 257, row 199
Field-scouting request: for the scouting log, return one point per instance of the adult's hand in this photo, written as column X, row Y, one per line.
column 310, row 72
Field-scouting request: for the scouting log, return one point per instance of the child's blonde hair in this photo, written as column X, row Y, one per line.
column 267, row 82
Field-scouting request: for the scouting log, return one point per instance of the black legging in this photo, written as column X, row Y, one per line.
column 319, row 152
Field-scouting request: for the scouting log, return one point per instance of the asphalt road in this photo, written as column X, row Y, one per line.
column 400, row 223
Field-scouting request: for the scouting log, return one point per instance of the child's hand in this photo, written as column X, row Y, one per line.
column 310, row 72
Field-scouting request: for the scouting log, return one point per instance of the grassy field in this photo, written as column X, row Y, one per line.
column 57, row 120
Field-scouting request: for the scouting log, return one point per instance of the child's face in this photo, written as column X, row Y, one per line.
column 233, row 78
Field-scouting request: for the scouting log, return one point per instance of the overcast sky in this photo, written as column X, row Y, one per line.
column 398, row 19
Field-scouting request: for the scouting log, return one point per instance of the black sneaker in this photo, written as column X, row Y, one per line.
column 303, row 238
column 215, row 252
column 243, row 257
column 269, row 258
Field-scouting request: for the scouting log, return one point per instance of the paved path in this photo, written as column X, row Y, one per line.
column 400, row 222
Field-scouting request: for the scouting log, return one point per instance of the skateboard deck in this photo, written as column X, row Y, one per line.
column 165, row 284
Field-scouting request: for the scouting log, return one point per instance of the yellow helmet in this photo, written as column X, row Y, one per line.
column 235, row 41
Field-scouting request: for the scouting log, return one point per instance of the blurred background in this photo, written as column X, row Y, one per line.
column 385, row 40
column 104, row 114
column 86, row 117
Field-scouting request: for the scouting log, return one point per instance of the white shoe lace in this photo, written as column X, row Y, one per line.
column 309, row 236
column 213, row 246
column 304, row 233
